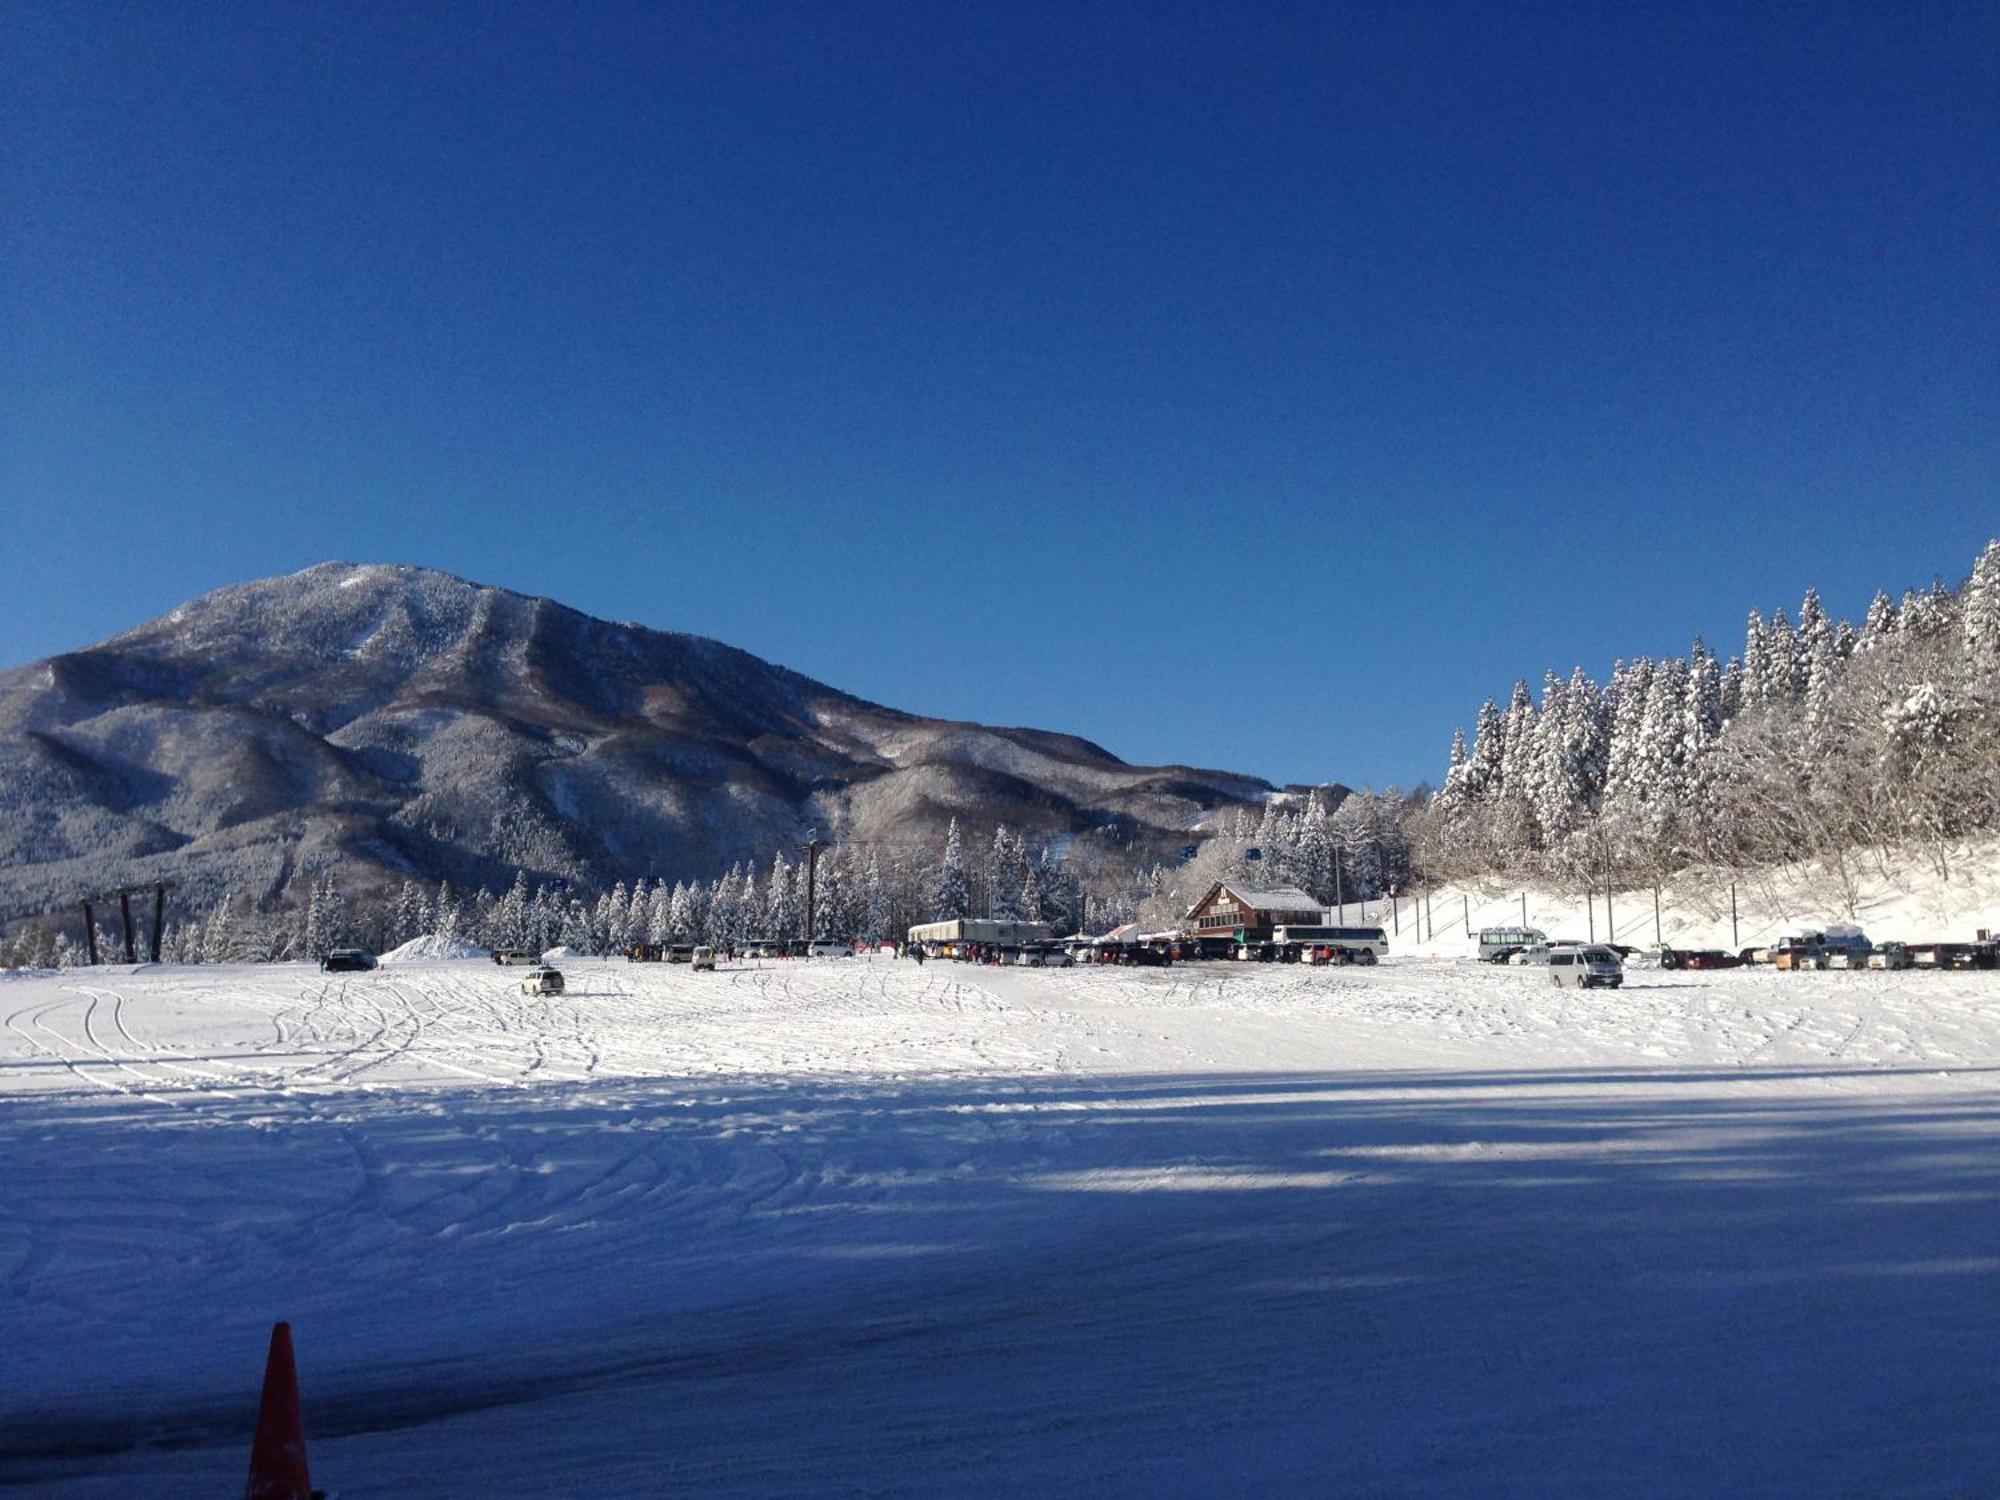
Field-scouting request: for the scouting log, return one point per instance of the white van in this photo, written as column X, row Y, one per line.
column 1573, row 966
column 702, row 958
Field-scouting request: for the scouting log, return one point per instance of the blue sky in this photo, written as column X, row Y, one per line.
column 1258, row 386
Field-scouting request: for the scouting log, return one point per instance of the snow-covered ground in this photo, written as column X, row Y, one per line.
column 855, row 1226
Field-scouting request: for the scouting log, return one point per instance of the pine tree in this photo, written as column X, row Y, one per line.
column 1733, row 688
column 220, row 941
column 1784, row 659
column 1979, row 611
column 447, row 919
column 1005, row 871
column 784, row 900
column 875, row 926
column 1758, row 686
column 951, row 900
column 1482, row 778
column 408, row 919
column 1880, row 622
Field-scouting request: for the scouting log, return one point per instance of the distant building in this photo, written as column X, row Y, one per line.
column 1243, row 915
column 945, row 938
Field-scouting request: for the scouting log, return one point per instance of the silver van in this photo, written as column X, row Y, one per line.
column 1579, row 967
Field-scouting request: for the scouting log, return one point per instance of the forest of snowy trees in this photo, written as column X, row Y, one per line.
column 1823, row 740
column 864, row 893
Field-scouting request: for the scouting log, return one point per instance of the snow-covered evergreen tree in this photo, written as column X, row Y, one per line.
column 1979, row 611
column 951, row 899
column 875, row 923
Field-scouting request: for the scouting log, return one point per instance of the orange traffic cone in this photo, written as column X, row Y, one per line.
column 278, row 1457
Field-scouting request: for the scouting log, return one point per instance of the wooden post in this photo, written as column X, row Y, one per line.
column 125, row 916
column 159, row 917
column 1733, row 937
column 90, row 933
column 1465, row 911
column 811, row 847
column 1395, row 913
column 1339, row 892
column 1656, row 911
column 1524, row 909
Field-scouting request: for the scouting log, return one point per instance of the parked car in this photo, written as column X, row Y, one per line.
column 1047, row 958
column 1533, row 954
column 826, row 948
column 1755, row 955
column 1574, row 966
column 702, row 958
column 679, row 953
column 542, row 980
column 514, row 956
column 347, row 961
column 1891, row 956
column 1710, row 958
column 1954, row 955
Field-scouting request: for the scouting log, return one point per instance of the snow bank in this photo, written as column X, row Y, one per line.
column 559, row 953
column 431, row 948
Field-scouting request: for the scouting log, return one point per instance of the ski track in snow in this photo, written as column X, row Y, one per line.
column 1428, row 1228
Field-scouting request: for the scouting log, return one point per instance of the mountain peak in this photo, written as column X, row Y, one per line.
column 403, row 720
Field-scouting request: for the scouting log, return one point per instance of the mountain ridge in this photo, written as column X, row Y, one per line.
column 406, row 721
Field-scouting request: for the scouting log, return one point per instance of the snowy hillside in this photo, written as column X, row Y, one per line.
column 854, row 1226
column 1904, row 897
column 409, row 723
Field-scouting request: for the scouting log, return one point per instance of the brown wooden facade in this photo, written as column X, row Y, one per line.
column 1230, row 910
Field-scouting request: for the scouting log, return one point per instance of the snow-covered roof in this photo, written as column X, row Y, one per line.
column 1277, row 898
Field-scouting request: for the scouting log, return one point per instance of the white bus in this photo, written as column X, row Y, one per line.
column 1498, row 944
column 1373, row 939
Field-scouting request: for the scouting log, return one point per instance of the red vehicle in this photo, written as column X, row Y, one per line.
column 1710, row 958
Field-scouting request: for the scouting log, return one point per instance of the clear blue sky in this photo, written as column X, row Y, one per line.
column 1252, row 385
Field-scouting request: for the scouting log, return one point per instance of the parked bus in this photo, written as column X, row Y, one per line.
column 1498, row 944
column 1285, row 939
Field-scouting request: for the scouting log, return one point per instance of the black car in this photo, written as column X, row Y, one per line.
column 347, row 961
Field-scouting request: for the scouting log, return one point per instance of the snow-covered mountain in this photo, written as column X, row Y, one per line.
column 407, row 721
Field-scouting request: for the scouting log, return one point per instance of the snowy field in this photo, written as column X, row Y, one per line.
column 856, row 1227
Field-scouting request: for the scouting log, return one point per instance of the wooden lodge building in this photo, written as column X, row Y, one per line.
column 1238, row 914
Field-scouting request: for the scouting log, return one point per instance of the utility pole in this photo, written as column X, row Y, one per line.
column 1339, row 894
column 1656, row 911
column 812, row 847
column 1732, row 914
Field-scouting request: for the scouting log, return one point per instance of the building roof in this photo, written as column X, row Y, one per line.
column 1277, row 898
